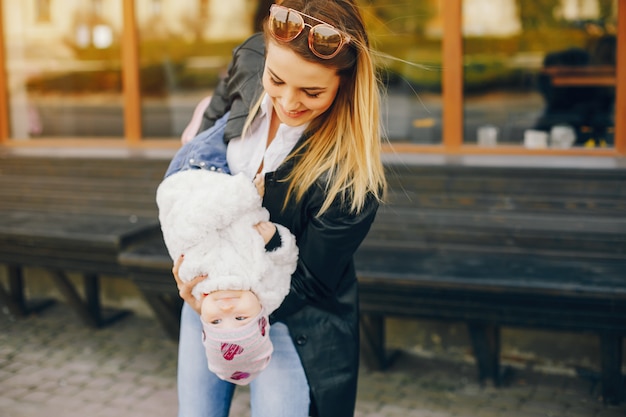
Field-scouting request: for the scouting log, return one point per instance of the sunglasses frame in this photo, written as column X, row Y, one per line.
column 344, row 37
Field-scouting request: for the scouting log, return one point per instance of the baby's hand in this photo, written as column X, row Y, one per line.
column 259, row 183
column 266, row 230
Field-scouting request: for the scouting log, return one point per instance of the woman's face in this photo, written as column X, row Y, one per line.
column 300, row 90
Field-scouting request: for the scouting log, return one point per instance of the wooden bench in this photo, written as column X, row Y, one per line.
column 73, row 210
column 540, row 244
column 532, row 245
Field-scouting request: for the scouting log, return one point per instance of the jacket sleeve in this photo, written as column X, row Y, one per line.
column 327, row 246
column 240, row 88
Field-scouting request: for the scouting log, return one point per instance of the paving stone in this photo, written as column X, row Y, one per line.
column 36, row 397
column 53, row 365
column 70, row 378
column 7, row 402
column 546, row 408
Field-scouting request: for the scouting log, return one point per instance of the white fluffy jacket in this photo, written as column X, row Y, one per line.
column 209, row 217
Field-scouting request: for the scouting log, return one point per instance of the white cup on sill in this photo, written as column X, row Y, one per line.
column 562, row 136
column 535, row 139
column 487, row 135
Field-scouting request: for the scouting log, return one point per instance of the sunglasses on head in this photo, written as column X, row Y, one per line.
column 325, row 40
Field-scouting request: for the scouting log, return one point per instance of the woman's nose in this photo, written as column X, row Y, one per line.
column 289, row 101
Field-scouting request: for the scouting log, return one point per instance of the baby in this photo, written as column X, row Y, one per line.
column 217, row 222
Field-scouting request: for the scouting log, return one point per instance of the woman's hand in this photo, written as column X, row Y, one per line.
column 184, row 288
column 266, row 230
column 259, row 183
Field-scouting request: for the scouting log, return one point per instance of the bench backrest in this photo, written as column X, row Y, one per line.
column 555, row 211
column 552, row 211
column 86, row 184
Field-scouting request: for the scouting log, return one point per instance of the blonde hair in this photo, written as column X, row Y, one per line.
column 343, row 146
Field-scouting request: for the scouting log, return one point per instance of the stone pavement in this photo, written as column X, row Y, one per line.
column 52, row 365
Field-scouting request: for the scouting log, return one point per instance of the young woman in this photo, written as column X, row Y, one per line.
column 304, row 112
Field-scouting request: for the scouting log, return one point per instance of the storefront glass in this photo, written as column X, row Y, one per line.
column 63, row 68
column 409, row 36
column 540, row 73
column 185, row 47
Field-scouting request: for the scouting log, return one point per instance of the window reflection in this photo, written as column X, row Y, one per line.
column 63, row 64
column 540, row 73
column 185, row 49
column 42, row 11
column 411, row 32
column 183, row 52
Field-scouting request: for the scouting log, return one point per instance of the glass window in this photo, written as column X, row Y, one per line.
column 183, row 51
column 412, row 72
column 42, row 11
column 64, row 69
column 539, row 73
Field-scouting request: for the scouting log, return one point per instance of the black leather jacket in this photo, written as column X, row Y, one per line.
column 240, row 89
column 321, row 309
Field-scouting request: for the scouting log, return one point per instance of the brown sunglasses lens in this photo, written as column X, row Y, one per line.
column 284, row 25
column 325, row 40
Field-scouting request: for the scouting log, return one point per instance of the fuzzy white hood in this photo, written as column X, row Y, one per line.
column 209, row 217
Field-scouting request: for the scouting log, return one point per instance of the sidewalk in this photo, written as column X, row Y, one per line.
column 52, row 365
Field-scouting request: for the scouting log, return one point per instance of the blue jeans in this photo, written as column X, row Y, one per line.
column 281, row 390
column 205, row 151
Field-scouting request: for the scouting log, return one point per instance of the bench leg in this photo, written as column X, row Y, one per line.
column 14, row 298
column 105, row 316
column 486, row 346
column 89, row 310
column 373, row 345
column 167, row 312
column 14, row 309
column 612, row 379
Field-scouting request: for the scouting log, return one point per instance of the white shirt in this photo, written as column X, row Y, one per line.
column 245, row 154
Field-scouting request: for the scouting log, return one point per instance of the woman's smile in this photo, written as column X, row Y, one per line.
column 292, row 114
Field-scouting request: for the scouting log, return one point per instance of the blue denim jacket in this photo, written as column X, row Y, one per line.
column 205, row 151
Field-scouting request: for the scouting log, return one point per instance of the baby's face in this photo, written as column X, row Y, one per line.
column 230, row 309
